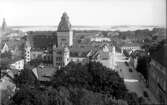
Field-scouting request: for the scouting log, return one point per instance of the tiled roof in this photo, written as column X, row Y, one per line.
column 42, row 40
column 64, row 24
column 44, row 74
column 95, row 52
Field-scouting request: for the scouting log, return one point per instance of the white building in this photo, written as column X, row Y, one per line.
column 100, row 39
column 18, row 65
column 130, row 46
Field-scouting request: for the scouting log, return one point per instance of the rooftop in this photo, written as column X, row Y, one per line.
column 42, row 40
column 64, row 24
column 130, row 44
column 44, row 74
column 160, row 55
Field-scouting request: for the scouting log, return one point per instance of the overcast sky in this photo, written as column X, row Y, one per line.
column 84, row 12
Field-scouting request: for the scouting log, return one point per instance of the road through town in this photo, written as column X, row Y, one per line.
column 132, row 79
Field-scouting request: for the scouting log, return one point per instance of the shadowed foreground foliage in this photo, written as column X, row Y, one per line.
column 77, row 84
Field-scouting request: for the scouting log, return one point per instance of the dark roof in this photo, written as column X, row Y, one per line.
column 45, row 74
column 12, row 44
column 160, row 55
column 64, row 24
column 96, row 51
column 28, row 66
column 42, row 40
column 138, row 53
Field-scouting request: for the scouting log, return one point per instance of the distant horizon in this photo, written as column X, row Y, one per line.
column 84, row 12
column 84, row 28
column 83, row 25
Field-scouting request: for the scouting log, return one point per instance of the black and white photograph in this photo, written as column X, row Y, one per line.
column 83, row 52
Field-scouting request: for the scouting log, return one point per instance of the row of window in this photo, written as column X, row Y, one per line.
column 130, row 48
column 58, row 58
column 59, row 64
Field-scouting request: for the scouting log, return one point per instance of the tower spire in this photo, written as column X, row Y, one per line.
column 4, row 25
column 64, row 24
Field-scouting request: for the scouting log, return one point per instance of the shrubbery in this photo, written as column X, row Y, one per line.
column 76, row 84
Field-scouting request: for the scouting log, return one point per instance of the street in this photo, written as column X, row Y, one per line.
column 131, row 79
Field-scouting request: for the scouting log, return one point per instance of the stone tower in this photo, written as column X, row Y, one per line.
column 66, row 55
column 61, row 56
column 27, row 51
column 61, row 52
column 64, row 32
column 4, row 25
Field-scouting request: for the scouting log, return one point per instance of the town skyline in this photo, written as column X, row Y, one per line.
column 92, row 13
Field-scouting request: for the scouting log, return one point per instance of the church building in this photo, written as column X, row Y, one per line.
column 61, row 52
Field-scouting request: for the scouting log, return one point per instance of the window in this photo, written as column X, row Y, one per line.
column 59, row 58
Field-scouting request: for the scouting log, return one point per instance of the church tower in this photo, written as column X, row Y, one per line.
column 27, row 51
column 61, row 52
column 66, row 55
column 64, row 32
column 4, row 25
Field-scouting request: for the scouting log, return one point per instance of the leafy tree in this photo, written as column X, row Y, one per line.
column 77, row 84
column 93, row 76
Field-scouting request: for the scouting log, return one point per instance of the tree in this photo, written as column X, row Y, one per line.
column 77, row 84
column 93, row 76
column 28, row 95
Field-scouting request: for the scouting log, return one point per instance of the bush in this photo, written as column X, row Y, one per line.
column 76, row 84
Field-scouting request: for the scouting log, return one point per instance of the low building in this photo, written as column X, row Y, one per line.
column 18, row 64
column 102, row 52
column 100, row 39
column 130, row 46
column 61, row 56
column 42, row 74
column 82, row 60
column 5, row 48
column 157, row 78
